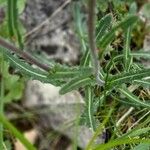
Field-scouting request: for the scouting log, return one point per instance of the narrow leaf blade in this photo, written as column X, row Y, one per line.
column 134, row 98
column 76, row 83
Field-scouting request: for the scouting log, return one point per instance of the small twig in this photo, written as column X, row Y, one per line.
column 91, row 32
column 139, row 120
column 48, row 19
column 124, row 116
column 23, row 54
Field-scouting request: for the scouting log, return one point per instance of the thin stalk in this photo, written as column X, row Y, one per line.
column 1, row 100
column 10, row 18
column 91, row 32
column 15, row 16
column 25, row 55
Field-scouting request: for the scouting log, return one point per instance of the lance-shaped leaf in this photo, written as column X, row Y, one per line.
column 13, row 21
column 90, row 110
column 133, row 98
column 85, row 60
column 27, row 69
column 127, row 51
column 136, row 132
column 142, row 146
column 51, row 63
column 60, row 71
column 120, row 141
column 107, row 39
column 127, row 77
column 76, row 83
column 126, row 102
column 102, row 26
column 144, row 83
column 139, row 54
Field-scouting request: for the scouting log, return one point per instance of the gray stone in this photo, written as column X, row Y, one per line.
column 56, row 38
column 62, row 112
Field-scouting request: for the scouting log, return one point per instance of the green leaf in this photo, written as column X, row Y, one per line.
column 89, row 106
column 80, row 24
column 102, row 26
column 136, row 132
column 107, row 39
column 142, row 147
column 139, row 54
column 21, row 5
column 127, row 77
column 144, row 83
column 85, row 60
column 146, row 10
column 128, row 103
column 27, row 69
column 127, row 56
column 133, row 8
column 2, row 2
column 51, row 63
column 117, row 142
column 59, row 71
column 102, row 5
column 13, row 84
column 99, row 130
column 76, row 83
column 10, row 17
column 7, row 145
column 13, row 21
column 133, row 98
column 16, row 133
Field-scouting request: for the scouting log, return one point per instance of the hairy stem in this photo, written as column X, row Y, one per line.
column 23, row 54
column 91, row 32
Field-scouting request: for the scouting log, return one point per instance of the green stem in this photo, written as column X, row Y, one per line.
column 1, row 100
column 16, row 133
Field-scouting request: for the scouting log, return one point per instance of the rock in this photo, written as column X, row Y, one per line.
column 56, row 37
column 144, row 14
column 62, row 112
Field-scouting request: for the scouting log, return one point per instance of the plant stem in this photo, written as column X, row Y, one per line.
column 23, row 54
column 16, row 133
column 1, row 99
column 91, row 32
